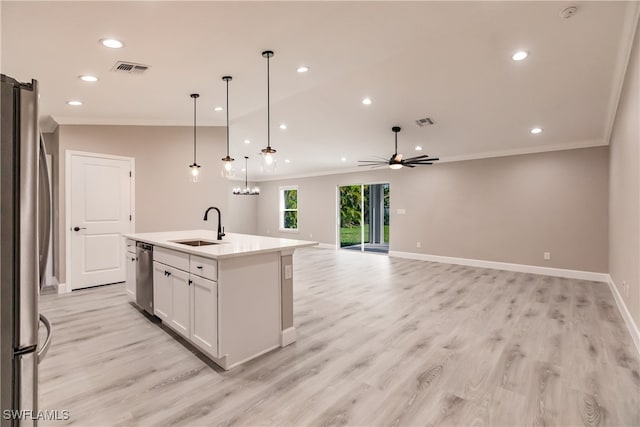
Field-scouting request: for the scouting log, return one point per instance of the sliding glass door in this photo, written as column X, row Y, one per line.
column 364, row 217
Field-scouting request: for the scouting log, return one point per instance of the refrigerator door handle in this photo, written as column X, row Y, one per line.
column 45, row 347
column 45, row 215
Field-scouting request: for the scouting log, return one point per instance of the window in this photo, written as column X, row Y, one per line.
column 288, row 208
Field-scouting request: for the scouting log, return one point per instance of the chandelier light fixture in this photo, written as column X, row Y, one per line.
column 268, row 154
column 228, row 170
column 195, row 167
column 246, row 191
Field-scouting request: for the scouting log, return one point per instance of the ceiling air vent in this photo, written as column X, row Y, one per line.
column 129, row 68
column 424, row 122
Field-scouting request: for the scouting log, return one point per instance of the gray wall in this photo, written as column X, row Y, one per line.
column 624, row 189
column 166, row 199
column 507, row 209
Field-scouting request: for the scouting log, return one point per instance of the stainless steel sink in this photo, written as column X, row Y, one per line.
column 197, row 242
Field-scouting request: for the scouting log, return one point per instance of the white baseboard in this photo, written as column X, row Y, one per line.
column 326, row 246
column 522, row 268
column 63, row 288
column 287, row 336
column 624, row 311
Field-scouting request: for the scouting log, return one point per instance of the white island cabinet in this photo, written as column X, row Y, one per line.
column 232, row 299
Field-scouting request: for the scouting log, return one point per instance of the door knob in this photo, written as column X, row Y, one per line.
column 76, row 228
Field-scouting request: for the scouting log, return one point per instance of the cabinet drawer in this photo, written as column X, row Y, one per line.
column 204, row 267
column 173, row 258
column 131, row 246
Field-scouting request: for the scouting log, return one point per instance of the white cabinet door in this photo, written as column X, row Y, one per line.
column 162, row 291
column 180, row 302
column 204, row 314
column 131, row 275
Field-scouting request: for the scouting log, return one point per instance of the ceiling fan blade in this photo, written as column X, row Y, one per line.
column 409, row 165
column 373, row 162
column 423, row 157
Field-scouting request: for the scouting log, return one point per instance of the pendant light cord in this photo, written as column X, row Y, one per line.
column 268, row 107
column 195, row 100
column 246, row 171
column 227, row 117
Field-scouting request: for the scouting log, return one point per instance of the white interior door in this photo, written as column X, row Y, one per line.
column 100, row 212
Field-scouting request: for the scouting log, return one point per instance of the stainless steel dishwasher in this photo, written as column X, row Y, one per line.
column 144, row 276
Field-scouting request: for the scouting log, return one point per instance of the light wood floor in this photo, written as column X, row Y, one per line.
column 381, row 341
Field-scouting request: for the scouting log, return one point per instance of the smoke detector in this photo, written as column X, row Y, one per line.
column 129, row 68
column 568, row 12
column 424, row 122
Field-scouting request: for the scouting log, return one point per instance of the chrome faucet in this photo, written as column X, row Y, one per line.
column 220, row 228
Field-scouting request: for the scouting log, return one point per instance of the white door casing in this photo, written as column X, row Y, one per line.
column 99, row 210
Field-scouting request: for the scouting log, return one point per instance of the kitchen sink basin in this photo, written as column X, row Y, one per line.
column 197, row 242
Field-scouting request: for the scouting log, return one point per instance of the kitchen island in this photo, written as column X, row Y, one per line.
column 230, row 298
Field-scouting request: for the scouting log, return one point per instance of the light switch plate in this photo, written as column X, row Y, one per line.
column 401, row 211
column 288, row 272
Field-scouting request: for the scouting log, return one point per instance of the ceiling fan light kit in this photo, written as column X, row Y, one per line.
column 396, row 161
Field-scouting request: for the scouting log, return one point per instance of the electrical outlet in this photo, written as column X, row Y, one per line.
column 401, row 211
column 310, row 235
column 547, row 256
column 288, row 272
column 418, row 244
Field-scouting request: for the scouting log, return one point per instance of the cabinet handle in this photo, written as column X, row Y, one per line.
column 167, row 273
column 190, row 282
column 199, row 267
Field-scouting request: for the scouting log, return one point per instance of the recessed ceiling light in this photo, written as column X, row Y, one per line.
column 344, row 159
column 287, row 161
column 366, row 101
column 418, row 148
column 283, row 126
column 111, row 43
column 218, row 109
column 520, row 55
column 74, row 103
column 88, row 78
column 536, row 131
column 302, row 69
column 244, row 170
column 246, row 141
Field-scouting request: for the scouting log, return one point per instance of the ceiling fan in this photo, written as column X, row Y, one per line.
column 396, row 161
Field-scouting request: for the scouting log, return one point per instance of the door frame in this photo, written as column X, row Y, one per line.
column 337, row 218
column 68, row 287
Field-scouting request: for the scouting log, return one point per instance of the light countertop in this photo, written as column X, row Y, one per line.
column 231, row 245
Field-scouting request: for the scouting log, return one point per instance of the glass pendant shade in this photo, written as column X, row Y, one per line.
column 195, row 173
column 268, row 160
column 228, row 168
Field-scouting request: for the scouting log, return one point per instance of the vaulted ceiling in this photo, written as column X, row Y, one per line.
column 450, row 61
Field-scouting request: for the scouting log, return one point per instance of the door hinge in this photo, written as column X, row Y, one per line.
column 129, row 217
column 129, row 174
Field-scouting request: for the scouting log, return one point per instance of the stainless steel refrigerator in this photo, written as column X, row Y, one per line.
column 25, row 224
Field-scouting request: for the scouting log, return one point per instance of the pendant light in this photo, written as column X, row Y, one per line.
column 268, row 154
column 195, row 167
column 246, row 191
column 228, row 169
